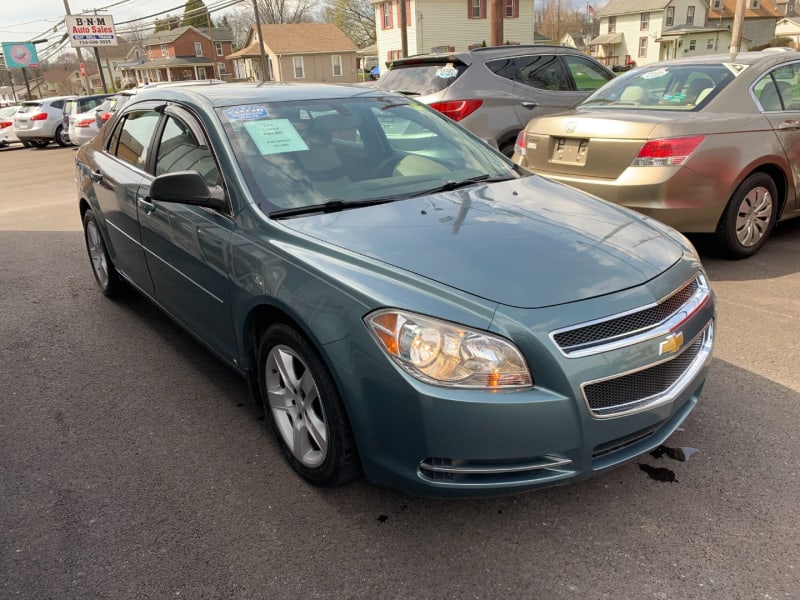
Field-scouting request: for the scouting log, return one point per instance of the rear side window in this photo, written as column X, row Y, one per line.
column 421, row 79
column 58, row 104
column 543, row 71
column 132, row 137
column 587, row 75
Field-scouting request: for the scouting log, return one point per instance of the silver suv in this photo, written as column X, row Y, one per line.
column 495, row 91
column 38, row 122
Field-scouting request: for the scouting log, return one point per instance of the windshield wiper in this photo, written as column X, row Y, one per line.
column 331, row 206
column 449, row 186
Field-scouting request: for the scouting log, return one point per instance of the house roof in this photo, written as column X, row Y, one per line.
column 766, row 8
column 297, row 38
column 625, row 7
column 607, row 38
column 218, row 34
column 168, row 36
column 180, row 61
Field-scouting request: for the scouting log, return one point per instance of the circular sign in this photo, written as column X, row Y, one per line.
column 21, row 55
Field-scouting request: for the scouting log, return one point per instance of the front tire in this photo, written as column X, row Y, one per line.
column 304, row 408
column 749, row 217
column 111, row 284
column 62, row 137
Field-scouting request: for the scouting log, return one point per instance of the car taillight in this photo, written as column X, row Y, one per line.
column 4, row 124
column 39, row 117
column 668, row 152
column 85, row 123
column 521, row 144
column 457, row 109
column 105, row 117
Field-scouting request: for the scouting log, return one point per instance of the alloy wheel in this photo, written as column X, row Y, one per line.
column 97, row 254
column 754, row 216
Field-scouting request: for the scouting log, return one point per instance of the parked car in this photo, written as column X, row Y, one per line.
column 401, row 298
column 495, row 91
column 38, row 122
column 705, row 144
column 84, row 126
column 8, row 133
column 78, row 105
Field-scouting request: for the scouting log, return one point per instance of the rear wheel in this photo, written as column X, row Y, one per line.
column 111, row 284
column 62, row 137
column 40, row 143
column 749, row 217
column 304, row 408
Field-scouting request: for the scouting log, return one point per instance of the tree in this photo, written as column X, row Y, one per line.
column 167, row 23
column 356, row 18
column 286, row 11
column 195, row 13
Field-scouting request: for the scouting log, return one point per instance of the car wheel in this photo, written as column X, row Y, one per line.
column 62, row 137
column 304, row 408
column 508, row 149
column 26, row 143
column 748, row 218
column 40, row 143
column 111, row 284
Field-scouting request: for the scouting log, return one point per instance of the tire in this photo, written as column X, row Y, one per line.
column 40, row 143
column 304, row 408
column 111, row 284
column 26, row 143
column 508, row 149
column 62, row 137
column 749, row 217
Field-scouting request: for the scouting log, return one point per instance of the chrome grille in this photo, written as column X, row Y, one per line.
column 627, row 392
column 601, row 332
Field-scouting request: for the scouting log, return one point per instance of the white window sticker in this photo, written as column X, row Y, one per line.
column 245, row 113
column 447, row 72
column 275, row 136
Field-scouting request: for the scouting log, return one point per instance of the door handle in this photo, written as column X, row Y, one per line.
column 529, row 105
column 790, row 124
column 146, row 205
column 96, row 176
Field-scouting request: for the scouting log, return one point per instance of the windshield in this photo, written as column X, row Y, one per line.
column 351, row 150
column 664, row 87
column 421, row 79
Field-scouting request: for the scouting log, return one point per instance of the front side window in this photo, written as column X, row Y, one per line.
column 587, row 75
column 336, row 62
column 644, row 22
column 132, row 136
column 670, row 20
column 180, row 150
column 299, row 69
column 690, row 15
column 198, row 49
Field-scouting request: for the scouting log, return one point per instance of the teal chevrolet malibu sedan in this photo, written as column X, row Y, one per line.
column 403, row 301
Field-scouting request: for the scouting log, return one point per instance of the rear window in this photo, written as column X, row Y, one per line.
column 421, row 79
column 30, row 107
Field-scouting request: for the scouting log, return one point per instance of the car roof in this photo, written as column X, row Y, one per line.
column 743, row 58
column 487, row 53
column 231, row 94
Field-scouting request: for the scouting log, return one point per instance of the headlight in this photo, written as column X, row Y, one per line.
column 447, row 354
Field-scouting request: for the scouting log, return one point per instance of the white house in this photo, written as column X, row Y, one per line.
column 760, row 18
column 631, row 30
column 788, row 27
column 446, row 25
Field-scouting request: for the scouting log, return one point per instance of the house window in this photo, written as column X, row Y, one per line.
column 386, row 15
column 690, row 15
column 201, row 73
column 511, row 9
column 299, row 69
column 336, row 61
column 754, row 4
column 644, row 21
column 642, row 47
column 692, row 45
column 670, row 16
column 150, row 53
column 218, row 48
column 476, row 9
column 221, row 68
column 138, row 54
column 612, row 24
column 198, row 49
column 408, row 12
column 164, row 51
column 395, row 54
column 717, row 4
column 709, row 44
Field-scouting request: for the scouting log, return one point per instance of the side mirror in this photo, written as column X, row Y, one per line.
column 187, row 187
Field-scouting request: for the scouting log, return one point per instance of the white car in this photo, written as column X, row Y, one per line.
column 84, row 126
column 8, row 134
column 38, row 122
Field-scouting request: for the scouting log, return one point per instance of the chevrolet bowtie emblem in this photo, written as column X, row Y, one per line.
column 672, row 344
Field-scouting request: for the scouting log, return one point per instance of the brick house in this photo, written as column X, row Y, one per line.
column 186, row 53
column 309, row 52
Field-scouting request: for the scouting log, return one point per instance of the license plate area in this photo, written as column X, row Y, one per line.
column 570, row 151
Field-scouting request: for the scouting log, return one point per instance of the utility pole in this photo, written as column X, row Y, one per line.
column 496, row 26
column 78, row 52
column 403, row 25
column 738, row 23
column 260, row 37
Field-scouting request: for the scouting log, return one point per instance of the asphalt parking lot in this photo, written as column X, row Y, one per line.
column 131, row 465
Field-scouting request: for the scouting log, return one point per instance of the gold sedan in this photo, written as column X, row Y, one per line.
column 707, row 145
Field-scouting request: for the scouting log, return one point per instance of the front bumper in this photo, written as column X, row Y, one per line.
column 435, row 441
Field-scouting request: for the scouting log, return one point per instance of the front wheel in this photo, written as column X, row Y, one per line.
column 749, row 217
column 62, row 137
column 304, row 408
column 111, row 284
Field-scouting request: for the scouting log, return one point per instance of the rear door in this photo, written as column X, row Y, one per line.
column 118, row 172
column 543, row 86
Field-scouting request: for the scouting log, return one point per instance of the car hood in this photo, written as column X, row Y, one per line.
column 527, row 242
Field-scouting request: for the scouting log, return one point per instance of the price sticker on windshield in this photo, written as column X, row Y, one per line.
column 447, row 72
